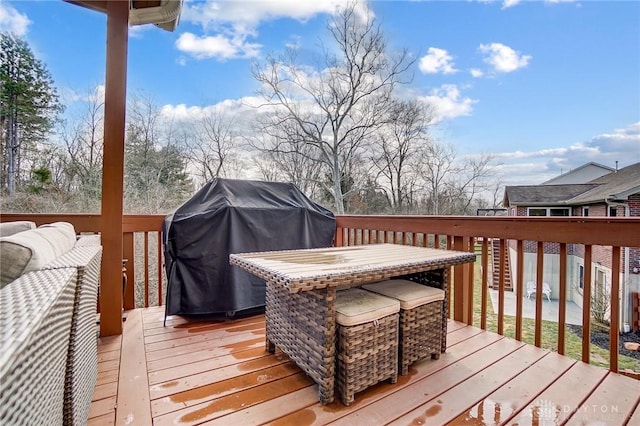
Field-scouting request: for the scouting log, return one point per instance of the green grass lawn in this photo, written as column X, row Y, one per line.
column 573, row 343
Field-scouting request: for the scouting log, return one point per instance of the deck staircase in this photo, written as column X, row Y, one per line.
column 495, row 266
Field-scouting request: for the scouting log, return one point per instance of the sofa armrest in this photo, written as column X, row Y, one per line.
column 35, row 324
column 82, row 364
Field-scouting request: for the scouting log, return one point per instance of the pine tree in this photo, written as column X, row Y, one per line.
column 29, row 107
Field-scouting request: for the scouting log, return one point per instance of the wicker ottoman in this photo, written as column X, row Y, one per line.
column 421, row 331
column 367, row 329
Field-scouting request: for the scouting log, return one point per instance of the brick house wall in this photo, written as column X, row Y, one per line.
column 634, row 211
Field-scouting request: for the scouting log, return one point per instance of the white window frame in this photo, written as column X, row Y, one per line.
column 548, row 210
column 585, row 211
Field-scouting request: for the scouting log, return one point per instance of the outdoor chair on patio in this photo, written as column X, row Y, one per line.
column 531, row 288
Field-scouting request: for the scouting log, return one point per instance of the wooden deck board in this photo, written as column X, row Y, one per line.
column 557, row 402
column 218, row 372
column 133, row 382
column 614, row 402
column 514, row 395
column 634, row 419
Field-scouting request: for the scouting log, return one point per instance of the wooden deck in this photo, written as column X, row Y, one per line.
column 218, row 372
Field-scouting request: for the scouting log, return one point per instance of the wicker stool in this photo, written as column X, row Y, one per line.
column 367, row 329
column 421, row 330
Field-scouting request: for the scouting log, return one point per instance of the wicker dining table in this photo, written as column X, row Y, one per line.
column 301, row 290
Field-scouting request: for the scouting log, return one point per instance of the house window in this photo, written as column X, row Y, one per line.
column 585, row 211
column 548, row 211
column 581, row 276
column 613, row 211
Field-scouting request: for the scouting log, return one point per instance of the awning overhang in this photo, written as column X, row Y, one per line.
column 164, row 14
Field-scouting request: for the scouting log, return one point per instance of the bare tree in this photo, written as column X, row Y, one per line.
column 437, row 164
column 454, row 186
column 336, row 109
column 83, row 142
column 474, row 176
column 212, row 148
column 399, row 146
column 282, row 159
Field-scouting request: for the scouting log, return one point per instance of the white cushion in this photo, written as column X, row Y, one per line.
column 61, row 236
column 356, row 306
column 10, row 228
column 409, row 294
column 31, row 250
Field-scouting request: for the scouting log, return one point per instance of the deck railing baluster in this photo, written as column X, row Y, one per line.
column 519, row 237
column 562, row 308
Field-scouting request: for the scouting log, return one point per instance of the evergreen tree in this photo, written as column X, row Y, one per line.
column 28, row 107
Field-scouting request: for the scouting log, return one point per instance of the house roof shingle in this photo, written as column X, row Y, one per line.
column 615, row 186
column 547, row 195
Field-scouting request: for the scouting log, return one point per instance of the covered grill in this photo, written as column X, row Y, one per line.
column 234, row 216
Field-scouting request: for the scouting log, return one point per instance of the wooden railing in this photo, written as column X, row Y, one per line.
column 142, row 247
column 545, row 234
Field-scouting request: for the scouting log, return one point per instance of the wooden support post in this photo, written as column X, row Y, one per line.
column 113, row 168
column 461, row 283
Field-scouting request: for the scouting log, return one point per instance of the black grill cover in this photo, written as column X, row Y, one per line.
column 234, row 216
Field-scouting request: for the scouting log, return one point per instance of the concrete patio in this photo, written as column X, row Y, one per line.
column 549, row 308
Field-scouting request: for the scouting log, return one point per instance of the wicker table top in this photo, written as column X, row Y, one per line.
column 309, row 269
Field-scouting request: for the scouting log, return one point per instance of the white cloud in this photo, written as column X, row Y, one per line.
column 293, row 42
column 137, row 31
column 620, row 140
column 92, row 95
column 218, row 46
column 241, row 14
column 232, row 23
column 534, row 167
column 509, row 3
column 475, row 72
column 13, row 21
column 503, row 58
column 436, row 61
column 448, row 103
column 244, row 107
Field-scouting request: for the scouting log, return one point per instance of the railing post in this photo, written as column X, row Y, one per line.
column 128, row 253
column 462, row 285
column 614, row 324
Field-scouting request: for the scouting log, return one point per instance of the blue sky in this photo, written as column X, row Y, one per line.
column 545, row 86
